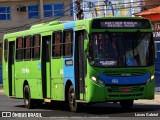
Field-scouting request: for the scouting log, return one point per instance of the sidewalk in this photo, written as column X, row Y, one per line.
column 155, row 101
column 1, row 89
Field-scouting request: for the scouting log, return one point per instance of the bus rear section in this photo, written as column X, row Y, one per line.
column 121, row 61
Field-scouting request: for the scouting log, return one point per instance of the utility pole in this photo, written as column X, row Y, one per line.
column 108, row 3
column 79, row 10
column 41, row 10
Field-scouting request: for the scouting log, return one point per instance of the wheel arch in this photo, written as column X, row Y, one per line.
column 67, row 85
column 24, row 84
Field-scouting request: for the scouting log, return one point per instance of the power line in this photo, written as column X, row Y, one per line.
column 128, row 7
column 131, row 2
column 36, row 21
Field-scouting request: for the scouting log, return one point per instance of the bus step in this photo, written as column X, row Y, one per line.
column 47, row 100
column 14, row 97
column 81, row 101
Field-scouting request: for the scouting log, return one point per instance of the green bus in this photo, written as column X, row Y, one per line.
column 107, row 59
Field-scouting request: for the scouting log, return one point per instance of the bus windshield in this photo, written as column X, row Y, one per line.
column 121, row 49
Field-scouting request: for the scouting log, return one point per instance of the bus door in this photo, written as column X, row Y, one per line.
column 57, row 82
column 80, row 65
column 46, row 70
column 11, row 69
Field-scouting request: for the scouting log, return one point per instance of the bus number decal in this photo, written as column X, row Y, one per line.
column 25, row 70
column 115, row 81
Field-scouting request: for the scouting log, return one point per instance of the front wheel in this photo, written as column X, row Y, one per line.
column 72, row 99
column 126, row 104
column 28, row 102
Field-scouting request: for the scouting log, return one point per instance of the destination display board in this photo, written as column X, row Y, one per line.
column 121, row 23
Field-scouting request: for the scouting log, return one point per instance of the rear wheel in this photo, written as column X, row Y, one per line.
column 28, row 102
column 126, row 104
column 72, row 99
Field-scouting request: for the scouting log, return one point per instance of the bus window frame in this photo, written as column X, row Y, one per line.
column 61, row 44
column 64, row 43
column 26, row 48
column 22, row 57
column 34, row 46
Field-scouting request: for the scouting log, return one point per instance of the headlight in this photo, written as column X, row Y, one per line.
column 94, row 79
column 150, row 79
column 101, row 82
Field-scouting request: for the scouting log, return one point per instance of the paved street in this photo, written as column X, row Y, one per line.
column 102, row 110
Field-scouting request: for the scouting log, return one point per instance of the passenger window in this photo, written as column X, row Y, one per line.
column 5, row 50
column 27, row 48
column 36, row 47
column 67, row 43
column 56, row 46
column 19, row 48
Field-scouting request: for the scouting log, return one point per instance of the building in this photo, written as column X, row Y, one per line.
column 148, row 4
column 17, row 15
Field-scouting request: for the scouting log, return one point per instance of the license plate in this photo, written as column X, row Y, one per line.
column 125, row 89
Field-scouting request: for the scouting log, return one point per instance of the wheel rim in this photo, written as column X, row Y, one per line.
column 26, row 98
column 72, row 101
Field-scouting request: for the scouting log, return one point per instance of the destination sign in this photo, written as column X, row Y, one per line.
column 120, row 24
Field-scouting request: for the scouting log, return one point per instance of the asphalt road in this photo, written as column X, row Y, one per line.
column 94, row 111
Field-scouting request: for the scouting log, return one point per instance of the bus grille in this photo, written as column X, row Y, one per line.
column 126, row 73
column 126, row 95
column 118, row 88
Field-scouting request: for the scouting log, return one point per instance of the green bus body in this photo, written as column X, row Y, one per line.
column 49, row 77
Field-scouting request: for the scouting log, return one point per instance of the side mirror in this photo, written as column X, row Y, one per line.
column 85, row 45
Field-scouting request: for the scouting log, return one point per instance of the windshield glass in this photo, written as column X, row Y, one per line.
column 121, row 49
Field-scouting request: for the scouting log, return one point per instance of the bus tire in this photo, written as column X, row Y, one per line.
column 28, row 102
column 126, row 104
column 72, row 99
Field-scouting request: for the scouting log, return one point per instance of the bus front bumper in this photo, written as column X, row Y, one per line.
column 97, row 93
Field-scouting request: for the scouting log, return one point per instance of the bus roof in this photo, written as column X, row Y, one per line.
column 48, row 26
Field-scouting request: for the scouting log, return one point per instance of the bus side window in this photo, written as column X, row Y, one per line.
column 6, row 50
column 27, row 48
column 19, row 49
column 56, row 44
column 67, row 43
column 36, row 47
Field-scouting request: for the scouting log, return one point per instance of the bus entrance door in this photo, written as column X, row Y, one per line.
column 79, row 65
column 46, row 69
column 11, row 71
